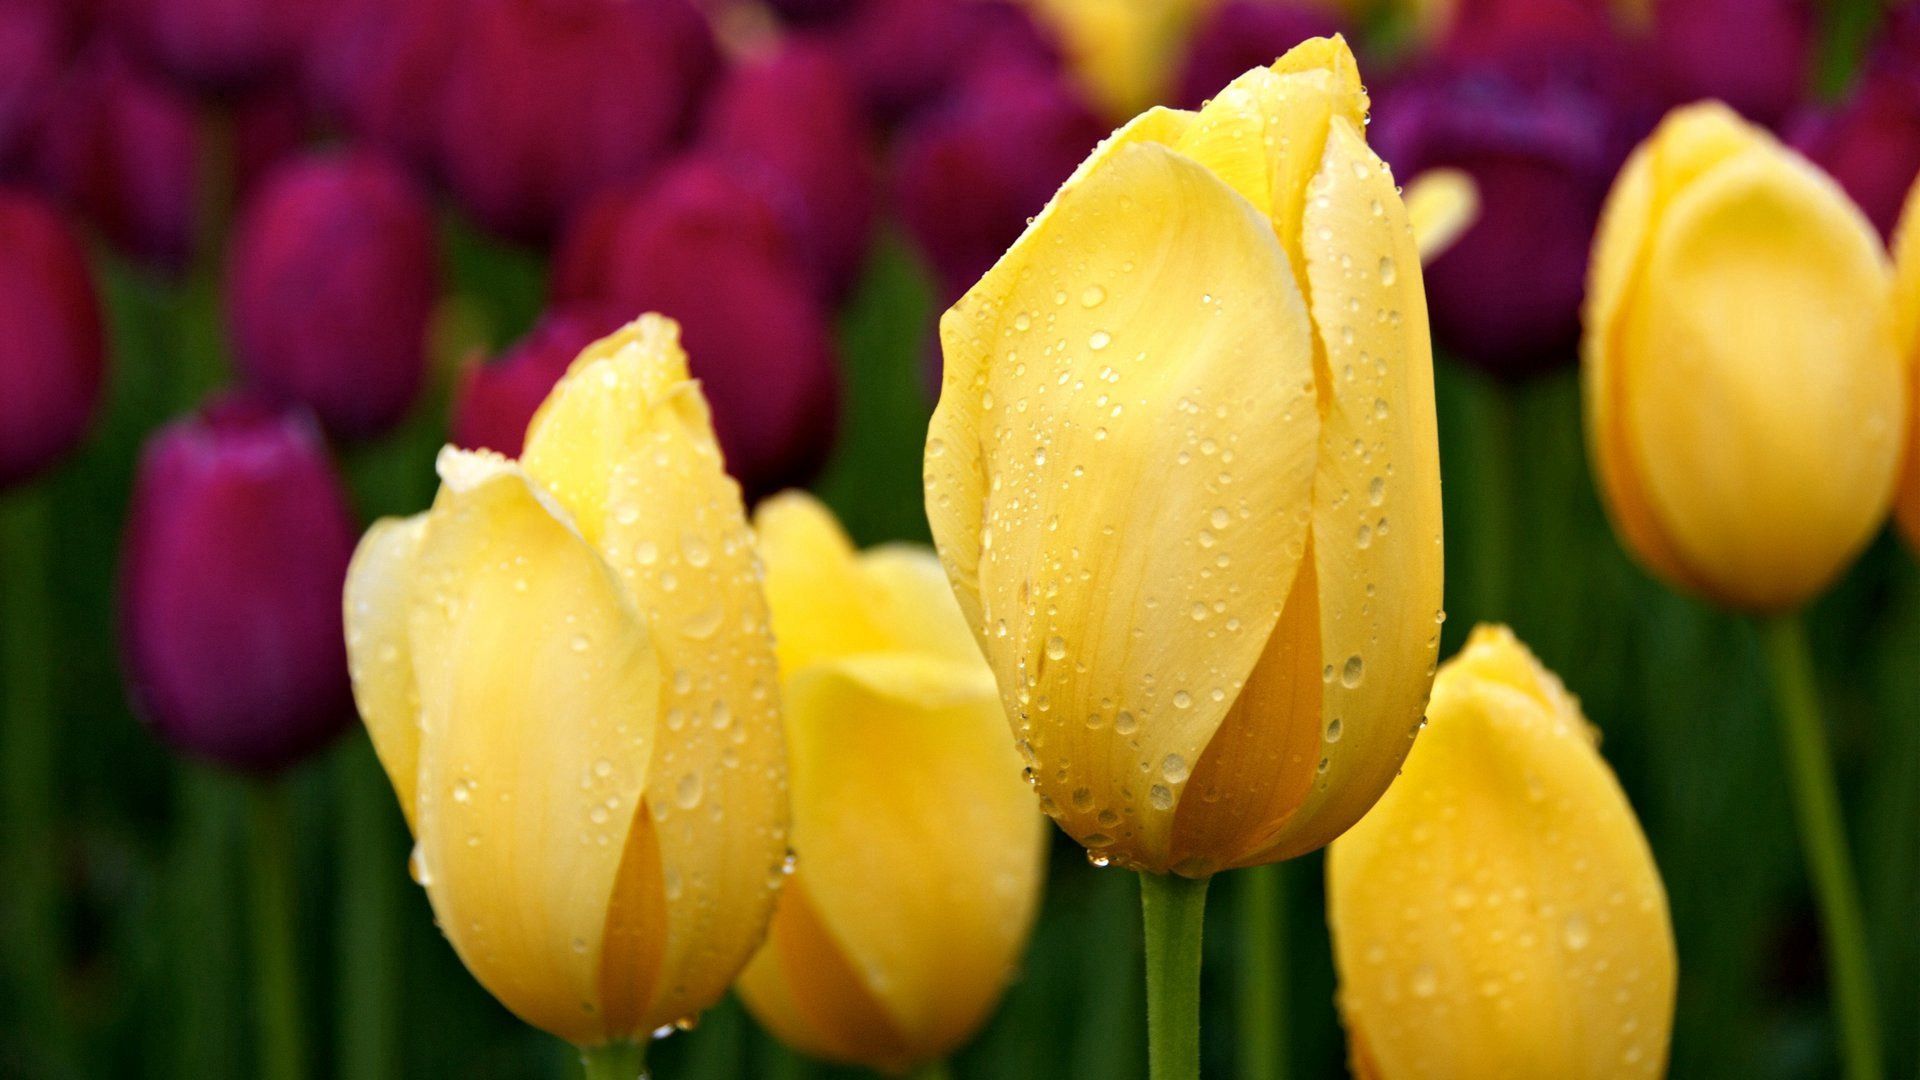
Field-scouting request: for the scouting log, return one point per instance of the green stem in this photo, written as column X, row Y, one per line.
column 1263, row 973
column 934, row 1070
column 1172, row 909
column 1497, row 445
column 276, row 975
column 368, row 923
column 1823, row 838
column 27, row 753
column 614, row 1061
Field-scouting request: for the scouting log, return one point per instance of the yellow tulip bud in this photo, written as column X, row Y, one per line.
column 1745, row 403
column 1906, row 263
column 1184, row 479
column 568, row 674
column 918, row 852
column 1498, row 913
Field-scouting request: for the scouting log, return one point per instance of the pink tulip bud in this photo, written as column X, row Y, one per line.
column 331, row 282
column 214, row 45
column 1764, row 76
column 50, row 339
column 36, row 38
column 909, row 55
column 232, row 568
column 380, row 68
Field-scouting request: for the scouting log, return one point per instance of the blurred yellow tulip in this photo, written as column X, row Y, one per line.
column 919, row 854
column 1498, row 913
column 1441, row 205
column 567, row 671
column 1183, row 477
column 1906, row 262
column 1745, row 402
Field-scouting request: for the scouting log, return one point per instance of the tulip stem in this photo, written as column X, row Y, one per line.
column 934, row 1070
column 368, row 922
column 1263, row 973
column 276, row 975
column 614, row 1061
column 1173, row 910
column 1823, row 839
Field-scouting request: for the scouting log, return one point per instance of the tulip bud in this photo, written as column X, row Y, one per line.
column 566, row 670
column 236, row 547
column 1745, row 401
column 1541, row 132
column 796, row 115
column 1763, row 78
column 550, row 100
column 969, row 175
column 912, row 54
column 1498, row 913
column 215, row 45
column 332, row 280
column 1242, row 34
column 380, row 68
column 761, row 346
column 1870, row 142
column 1906, row 299
column 35, row 39
column 1206, row 576
column 919, row 855
column 495, row 401
column 50, row 339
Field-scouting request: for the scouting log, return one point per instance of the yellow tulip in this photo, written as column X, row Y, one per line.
column 1906, row 260
column 1183, row 477
column 1441, row 205
column 1745, row 402
column 919, row 853
column 568, row 674
column 1498, row 913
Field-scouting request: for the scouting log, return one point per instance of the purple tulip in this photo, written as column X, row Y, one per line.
column 968, row 175
column 909, row 55
column 813, row 12
column 495, row 401
column 550, row 100
column 1241, row 35
column 796, row 116
column 1755, row 55
column 50, row 339
column 36, row 40
column 1542, row 131
column 1870, row 143
column 380, row 67
column 331, row 284
column 215, row 45
column 235, row 556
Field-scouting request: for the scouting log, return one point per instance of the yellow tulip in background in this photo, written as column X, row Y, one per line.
column 1498, row 912
column 1746, row 404
column 919, row 853
column 567, row 671
column 1906, row 256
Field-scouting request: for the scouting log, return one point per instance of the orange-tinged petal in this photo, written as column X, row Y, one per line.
column 801, row 987
column 379, row 595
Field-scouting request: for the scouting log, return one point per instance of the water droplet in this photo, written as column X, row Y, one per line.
column 1576, row 934
column 1354, row 670
column 1056, row 648
column 1424, row 982
column 1093, row 296
column 1161, row 797
column 1174, row 768
column 686, row 794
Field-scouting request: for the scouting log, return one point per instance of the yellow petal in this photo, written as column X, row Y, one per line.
column 378, row 597
column 1343, row 683
column 919, row 847
column 1498, row 913
column 1117, row 474
column 1442, row 204
column 625, row 444
column 1761, row 396
column 1906, row 254
column 1124, row 51
column 536, row 683
column 803, row 989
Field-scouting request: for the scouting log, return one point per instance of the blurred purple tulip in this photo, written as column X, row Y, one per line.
column 1542, row 130
column 813, row 12
column 215, row 45
column 332, row 279
column 379, row 67
column 1870, row 142
column 911, row 54
column 50, row 338
column 705, row 246
column 36, row 40
column 1755, row 55
column 496, row 400
column 233, row 562
column 968, row 175
column 796, row 115
column 1240, row 35
column 550, row 100
column 1503, row 26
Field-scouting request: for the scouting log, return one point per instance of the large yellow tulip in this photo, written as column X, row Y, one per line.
column 919, row 853
column 1498, row 913
column 1183, row 477
column 1745, row 402
column 1906, row 261
column 567, row 671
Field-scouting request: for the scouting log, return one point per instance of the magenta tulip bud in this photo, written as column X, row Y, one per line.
column 1542, row 132
column 35, row 42
column 1763, row 76
column 50, row 339
column 910, row 54
column 968, row 175
column 215, row 45
column 235, row 556
column 1502, row 26
column 796, row 115
column 813, row 12
column 550, row 100
column 496, row 400
column 379, row 67
column 1241, row 35
column 332, row 278
column 1870, row 143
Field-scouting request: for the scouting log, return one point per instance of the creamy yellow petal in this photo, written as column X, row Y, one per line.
column 536, row 683
column 1498, row 913
column 379, row 595
column 1906, row 254
column 801, row 987
column 1763, row 398
column 1442, row 204
column 1119, row 465
column 918, row 841
column 908, row 594
column 812, row 583
column 625, row 443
